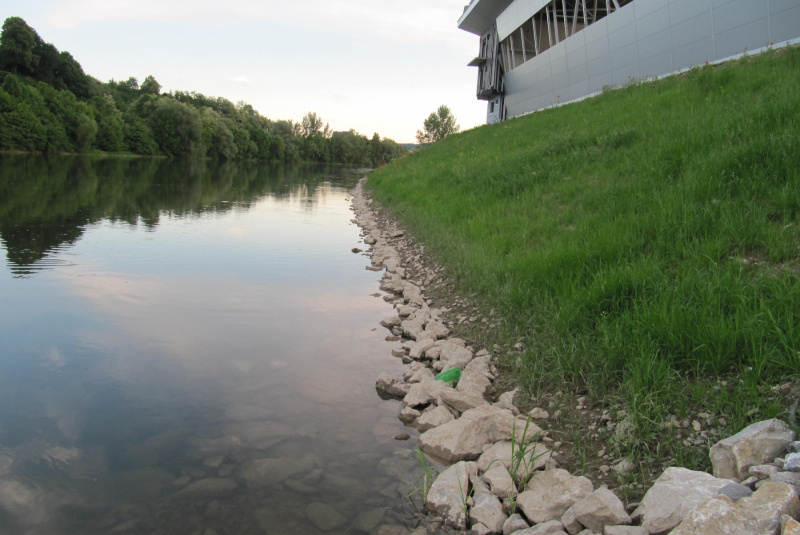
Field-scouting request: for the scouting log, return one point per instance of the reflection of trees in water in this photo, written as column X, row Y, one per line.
column 46, row 202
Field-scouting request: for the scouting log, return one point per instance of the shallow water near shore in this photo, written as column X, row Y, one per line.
column 189, row 347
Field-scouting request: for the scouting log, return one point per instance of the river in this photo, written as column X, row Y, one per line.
column 191, row 347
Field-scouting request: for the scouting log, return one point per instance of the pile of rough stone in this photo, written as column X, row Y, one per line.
column 503, row 476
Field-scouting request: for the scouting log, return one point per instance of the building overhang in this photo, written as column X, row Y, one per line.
column 480, row 15
column 477, row 62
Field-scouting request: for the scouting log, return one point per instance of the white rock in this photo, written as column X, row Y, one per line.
column 791, row 463
column 462, row 401
column 488, row 510
column 595, row 511
column 673, row 495
column 464, row 438
column 623, row 467
column 551, row 493
column 448, row 495
column 514, row 523
column 763, row 471
column 438, row 329
column 756, row 444
column 476, row 377
column 419, row 348
column 434, row 418
column 538, row 414
column 423, row 375
column 391, row 321
column 792, row 478
column 499, row 481
column 412, row 327
column 759, row 514
column 506, row 401
column 409, row 415
column 421, row 394
column 453, row 355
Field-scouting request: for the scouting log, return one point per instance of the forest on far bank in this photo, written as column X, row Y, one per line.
column 48, row 104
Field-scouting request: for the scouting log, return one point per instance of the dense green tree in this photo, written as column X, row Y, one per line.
column 47, row 103
column 17, row 44
column 216, row 137
column 268, row 147
column 138, row 137
column 176, row 127
column 47, row 69
column 438, row 125
column 150, row 86
column 124, row 93
column 110, row 127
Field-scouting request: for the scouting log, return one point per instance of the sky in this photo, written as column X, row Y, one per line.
column 368, row 65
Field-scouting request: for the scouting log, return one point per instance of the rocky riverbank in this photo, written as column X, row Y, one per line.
column 504, row 474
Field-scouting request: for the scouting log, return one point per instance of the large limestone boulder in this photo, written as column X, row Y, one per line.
column 447, row 497
column 673, row 495
column 595, row 511
column 551, row 493
column 756, row 444
column 760, row 514
column 464, row 438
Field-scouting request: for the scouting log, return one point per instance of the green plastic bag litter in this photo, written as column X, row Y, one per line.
column 451, row 374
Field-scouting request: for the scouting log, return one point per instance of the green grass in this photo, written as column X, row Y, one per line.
column 645, row 242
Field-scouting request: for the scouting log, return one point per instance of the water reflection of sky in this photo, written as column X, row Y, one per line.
column 177, row 331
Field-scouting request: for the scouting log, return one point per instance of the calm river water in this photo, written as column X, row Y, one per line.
column 192, row 348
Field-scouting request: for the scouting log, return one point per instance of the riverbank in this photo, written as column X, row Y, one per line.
column 501, row 471
column 506, row 475
column 634, row 257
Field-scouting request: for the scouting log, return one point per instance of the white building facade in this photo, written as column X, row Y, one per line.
column 538, row 53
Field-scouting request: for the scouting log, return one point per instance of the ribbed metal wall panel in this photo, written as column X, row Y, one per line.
column 516, row 14
column 648, row 38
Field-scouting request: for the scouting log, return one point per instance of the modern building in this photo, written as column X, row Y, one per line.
column 538, row 53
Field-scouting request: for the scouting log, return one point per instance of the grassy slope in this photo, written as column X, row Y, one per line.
column 646, row 242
